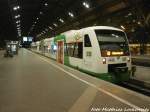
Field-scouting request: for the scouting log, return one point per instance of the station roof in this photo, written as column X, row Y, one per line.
column 36, row 17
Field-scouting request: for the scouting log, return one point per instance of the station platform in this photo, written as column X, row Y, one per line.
column 142, row 74
column 33, row 83
column 1, row 53
column 142, row 60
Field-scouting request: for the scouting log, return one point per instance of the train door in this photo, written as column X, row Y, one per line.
column 87, row 52
column 60, row 52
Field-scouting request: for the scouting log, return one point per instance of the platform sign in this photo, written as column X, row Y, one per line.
column 25, row 39
column 30, row 39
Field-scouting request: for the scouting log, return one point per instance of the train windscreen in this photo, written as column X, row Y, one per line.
column 112, row 43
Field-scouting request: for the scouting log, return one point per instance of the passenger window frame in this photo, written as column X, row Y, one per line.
column 87, row 39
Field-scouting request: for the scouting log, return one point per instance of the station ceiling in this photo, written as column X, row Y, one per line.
column 36, row 17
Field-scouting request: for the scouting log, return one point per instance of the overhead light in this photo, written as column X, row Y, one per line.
column 50, row 28
column 138, row 22
column 122, row 27
column 71, row 14
column 19, row 34
column 86, row 5
column 37, row 18
column 16, row 8
column 61, row 20
column 18, row 25
column 46, row 4
column 55, row 24
column 44, row 32
column 41, row 13
column 18, row 21
column 130, row 14
column 17, row 16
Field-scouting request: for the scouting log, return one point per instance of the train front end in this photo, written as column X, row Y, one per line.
column 115, row 54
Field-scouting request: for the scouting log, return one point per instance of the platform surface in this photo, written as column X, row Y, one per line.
column 143, row 68
column 146, row 57
column 32, row 83
column 142, row 74
column 142, row 60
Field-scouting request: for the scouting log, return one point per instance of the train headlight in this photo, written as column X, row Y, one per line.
column 128, row 59
column 108, row 53
column 104, row 60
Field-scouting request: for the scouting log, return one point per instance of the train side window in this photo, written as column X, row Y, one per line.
column 70, row 49
column 78, row 51
column 74, row 50
column 87, row 42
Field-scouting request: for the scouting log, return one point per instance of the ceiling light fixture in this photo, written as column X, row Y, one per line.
column 18, row 25
column 50, row 28
column 16, row 8
column 17, row 16
column 139, row 23
column 19, row 34
column 86, row 5
column 122, row 27
column 18, row 21
column 61, row 20
column 71, row 14
column 55, row 24
column 46, row 4
column 41, row 12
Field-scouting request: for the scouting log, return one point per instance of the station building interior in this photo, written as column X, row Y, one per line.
column 41, row 20
column 74, row 55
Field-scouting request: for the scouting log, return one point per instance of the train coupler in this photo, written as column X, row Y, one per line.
column 119, row 70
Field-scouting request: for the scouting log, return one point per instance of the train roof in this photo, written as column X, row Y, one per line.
column 92, row 28
column 102, row 27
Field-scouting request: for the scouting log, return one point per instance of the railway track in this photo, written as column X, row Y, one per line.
column 141, row 62
column 137, row 86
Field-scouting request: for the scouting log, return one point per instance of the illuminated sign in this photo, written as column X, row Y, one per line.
column 30, row 39
column 25, row 39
